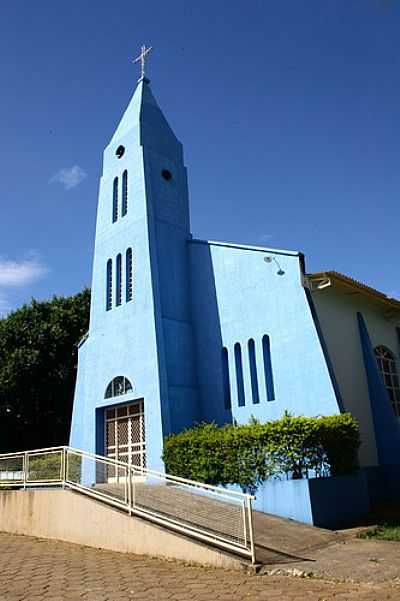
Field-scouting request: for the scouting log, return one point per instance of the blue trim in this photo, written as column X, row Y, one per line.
column 269, row 379
column 115, row 200
column 100, row 433
column 253, row 371
column 109, row 285
column 225, row 377
column 118, row 288
column 124, row 193
column 128, row 275
column 263, row 249
column 239, row 375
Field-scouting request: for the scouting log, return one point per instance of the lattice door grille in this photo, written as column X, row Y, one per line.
column 125, row 434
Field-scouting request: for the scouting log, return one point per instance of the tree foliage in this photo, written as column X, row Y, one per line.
column 291, row 447
column 38, row 361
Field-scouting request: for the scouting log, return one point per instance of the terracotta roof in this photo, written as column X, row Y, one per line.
column 362, row 288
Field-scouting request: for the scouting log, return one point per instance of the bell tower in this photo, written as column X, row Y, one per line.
column 140, row 323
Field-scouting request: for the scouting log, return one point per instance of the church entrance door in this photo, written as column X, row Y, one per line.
column 125, row 435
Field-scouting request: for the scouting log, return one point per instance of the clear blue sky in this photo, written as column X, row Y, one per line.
column 288, row 112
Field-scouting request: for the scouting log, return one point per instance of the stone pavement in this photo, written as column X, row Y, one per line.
column 42, row 570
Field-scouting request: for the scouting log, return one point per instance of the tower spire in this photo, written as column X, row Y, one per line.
column 141, row 58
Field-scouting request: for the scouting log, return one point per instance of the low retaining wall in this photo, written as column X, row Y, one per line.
column 336, row 502
column 71, row 517
column 325, row 502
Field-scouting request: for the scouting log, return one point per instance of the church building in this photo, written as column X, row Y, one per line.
column 184, row 330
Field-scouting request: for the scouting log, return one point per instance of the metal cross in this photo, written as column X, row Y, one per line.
column 141, row 58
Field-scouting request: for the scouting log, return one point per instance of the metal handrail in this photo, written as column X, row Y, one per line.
column 139, row 491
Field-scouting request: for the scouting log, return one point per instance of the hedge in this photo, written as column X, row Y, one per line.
column 292, row 447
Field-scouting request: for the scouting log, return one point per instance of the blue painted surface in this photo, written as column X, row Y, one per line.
column 150, row 339
column 285, row 498
column 386, row 424
column 236, row 296
column 190, row 299
column 339, row 502
column 253, row 371
column 336, row 502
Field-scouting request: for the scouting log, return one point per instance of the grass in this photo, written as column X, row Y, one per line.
column 382, row 532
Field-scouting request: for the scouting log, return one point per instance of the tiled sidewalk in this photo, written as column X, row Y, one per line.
column 34, row 569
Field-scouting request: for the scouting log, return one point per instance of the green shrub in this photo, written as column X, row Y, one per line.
column 295, row 447
column 46, row 466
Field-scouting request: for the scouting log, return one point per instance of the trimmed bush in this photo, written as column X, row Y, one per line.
column 293, row 447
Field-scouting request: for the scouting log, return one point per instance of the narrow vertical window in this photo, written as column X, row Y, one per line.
column 118, row 287
column 269, row 381
column 128, row 278
column 225, row 377
column 253, row 371
column 115, row 200
column 124, row 193
column 239, row 375
column 109, row 285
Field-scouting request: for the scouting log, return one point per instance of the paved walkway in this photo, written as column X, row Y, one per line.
column 40, row 570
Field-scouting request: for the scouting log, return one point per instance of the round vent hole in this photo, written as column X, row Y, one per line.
column 167, row 175
column 120, row 152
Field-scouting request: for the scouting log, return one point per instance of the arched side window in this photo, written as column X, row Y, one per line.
column 239, row 374
column 253, row 371
column 387, row 366
column 118, row 287
column 115, row 200
column 109, row 285
column 269, row 380
column 124, row 193
column 118, row 386
column 128, row 278
column 225, row 377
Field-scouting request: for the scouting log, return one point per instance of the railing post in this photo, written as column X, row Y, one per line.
column 25, row 468
column 251, row 530
column 130, row 489
column 63, row 466
column 244, row 522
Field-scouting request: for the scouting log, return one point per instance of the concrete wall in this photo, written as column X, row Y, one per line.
column 336, row 502
column 71, row 517
column 236, row 296
column 337, row 309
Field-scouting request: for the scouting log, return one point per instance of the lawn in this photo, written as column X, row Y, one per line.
column 382, row 532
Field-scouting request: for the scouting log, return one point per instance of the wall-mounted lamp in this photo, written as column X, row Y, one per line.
column 270, row 259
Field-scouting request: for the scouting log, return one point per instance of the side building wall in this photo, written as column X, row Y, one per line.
column 237, row 297
column 337, row 309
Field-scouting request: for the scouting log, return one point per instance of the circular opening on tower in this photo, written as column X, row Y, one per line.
column 120, row 152
column 167, row 175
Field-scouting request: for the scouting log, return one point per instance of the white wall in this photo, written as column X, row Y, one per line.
column 337, row 308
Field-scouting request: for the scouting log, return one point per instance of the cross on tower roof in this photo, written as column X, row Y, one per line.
column 141, row 58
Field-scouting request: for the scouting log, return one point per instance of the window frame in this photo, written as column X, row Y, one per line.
column 387, row 366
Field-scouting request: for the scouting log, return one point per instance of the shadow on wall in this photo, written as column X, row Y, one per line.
column 211, row 357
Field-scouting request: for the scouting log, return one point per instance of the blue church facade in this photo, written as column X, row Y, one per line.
column 185, row 330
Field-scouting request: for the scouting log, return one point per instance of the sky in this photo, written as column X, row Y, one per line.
column 288, row 112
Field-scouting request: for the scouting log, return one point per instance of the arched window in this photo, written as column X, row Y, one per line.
column 269, row 380
column 109, row 285
column 225, row 376
column 253, row 371
column 124, row 193
column 387, row 366
column 118, row 288
column 239, row 375
column 115, row 200
column 119, row 385
column 128, row 279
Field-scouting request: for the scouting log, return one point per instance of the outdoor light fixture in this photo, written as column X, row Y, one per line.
column 269, row 259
